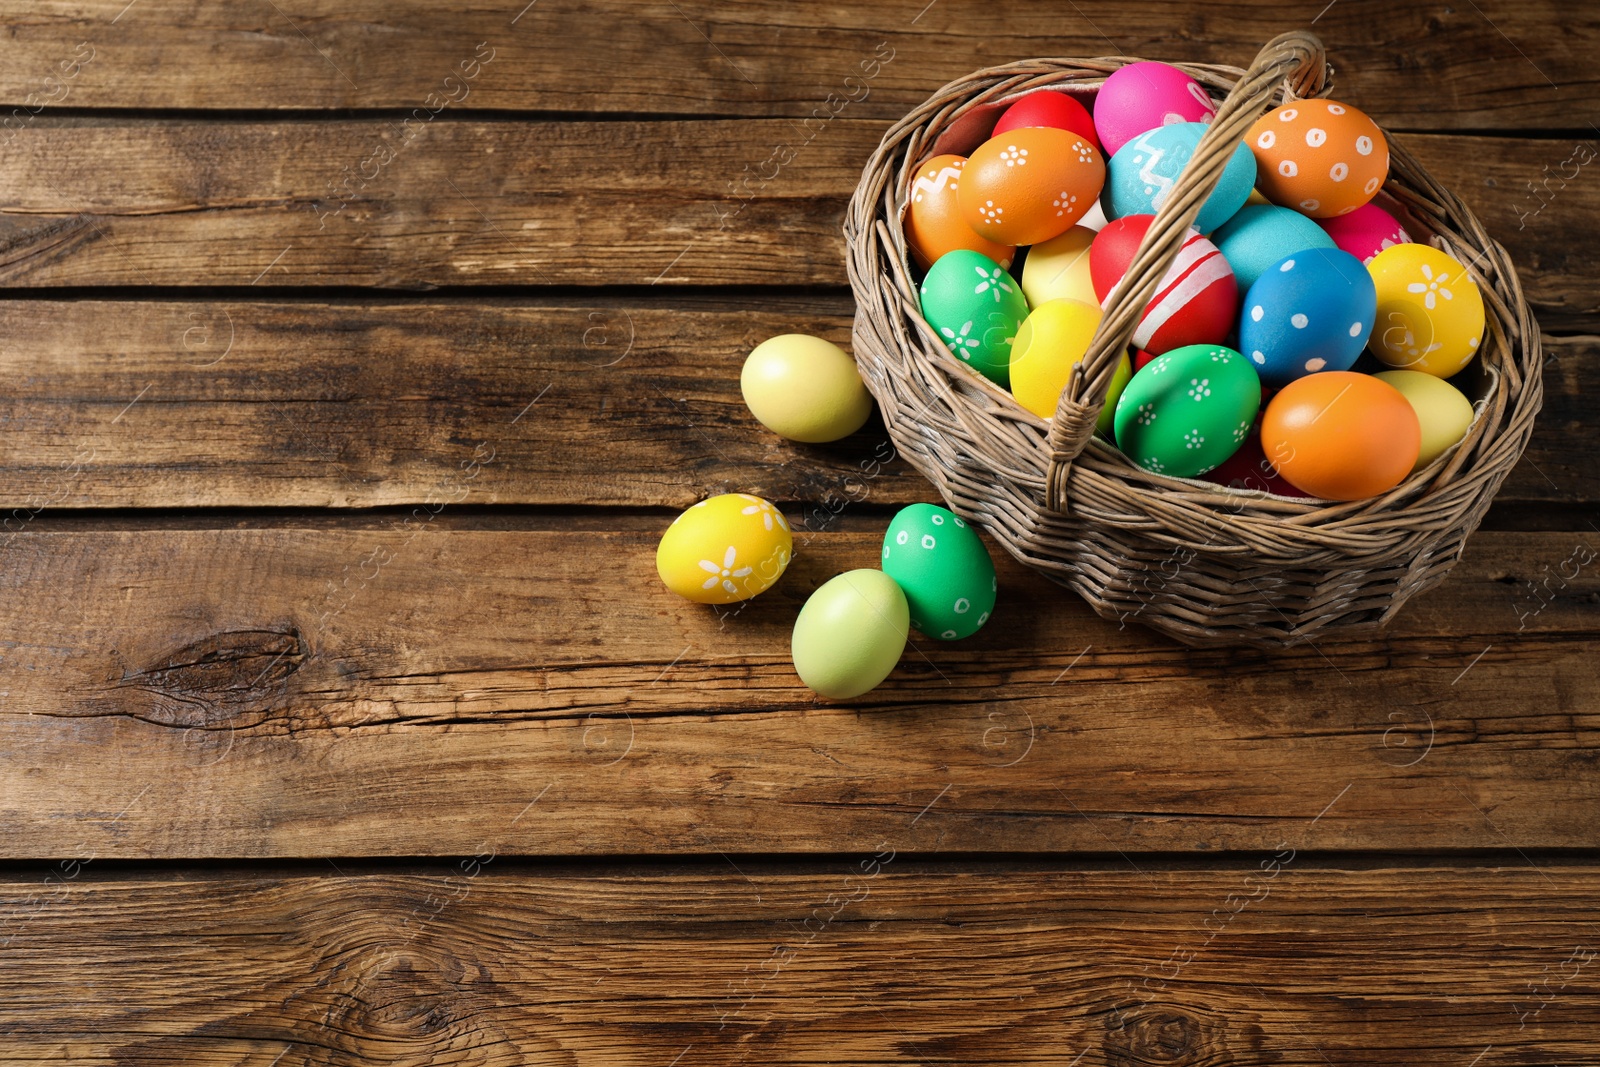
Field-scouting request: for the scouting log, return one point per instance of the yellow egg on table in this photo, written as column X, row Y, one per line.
column 1058, row 269
column 1050, row 342
column 1430, row 313
column 1444, row 412
column 805, row 389
column 725, row 548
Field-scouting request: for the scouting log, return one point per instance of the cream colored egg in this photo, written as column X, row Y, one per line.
column 1445, row 414
column 1058, row 269
column 725, row 548
column 804, row 388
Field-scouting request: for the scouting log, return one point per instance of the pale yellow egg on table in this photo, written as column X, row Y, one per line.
column 725, row 548
column 1058, row 269
column 804, row 388
column 1051, row 341
column 1444, row 412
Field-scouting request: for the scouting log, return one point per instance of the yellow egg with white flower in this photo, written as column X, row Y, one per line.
column 724, row 549
column 1430, row 311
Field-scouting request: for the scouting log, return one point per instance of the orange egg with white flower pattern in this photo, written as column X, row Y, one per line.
column 1320, row 157
column 1029, row 185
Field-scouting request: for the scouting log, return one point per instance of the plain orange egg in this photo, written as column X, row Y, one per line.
column 1341, row 435
column 934, row 224
column 1319, row 157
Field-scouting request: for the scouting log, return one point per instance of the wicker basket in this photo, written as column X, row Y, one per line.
column 1205, row 564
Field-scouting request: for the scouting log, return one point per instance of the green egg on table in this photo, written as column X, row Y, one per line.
column 1187, row 411
column 850, row 634
column 1443, row 411
column 938, row 559
column 975, row 307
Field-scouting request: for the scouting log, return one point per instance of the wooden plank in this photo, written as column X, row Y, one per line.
column 294, row 692
column 136, row 404
column 870, row 959
column 1475, row 66
column 168, row 202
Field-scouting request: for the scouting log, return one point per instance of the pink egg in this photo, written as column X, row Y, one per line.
column 1365, row 232
column 1142, row 96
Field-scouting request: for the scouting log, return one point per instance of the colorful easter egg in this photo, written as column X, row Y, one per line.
column 850, row 634
column 725, row 548
column 1430, row 312
column 1341, row 435
column 1046, row 107
column 1443, row 412
column 934, row 224
column 1260, row 235
column 1142, row 96
column 1058, row 269
column 1050, row 343
column 1309, row 312
column 1142, row 359
column 1188, row 411
column 804, row 388
column 975, row 307
column 1144, row 171
column 1319, row 157
column 1365, row 232
column 1029, row 185
column 1197, row 300
column 939, row 562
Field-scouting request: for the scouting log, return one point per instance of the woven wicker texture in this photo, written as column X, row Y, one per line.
column 1205, row 564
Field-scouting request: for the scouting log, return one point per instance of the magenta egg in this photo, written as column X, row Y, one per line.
column 1142, row 96
column 1365, row 232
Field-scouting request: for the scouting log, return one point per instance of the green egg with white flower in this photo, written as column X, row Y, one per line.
column 938, row 559
column 1187, row 411
column 976, row 308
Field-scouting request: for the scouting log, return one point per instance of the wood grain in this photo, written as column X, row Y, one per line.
column 873, row 959
column 231, row 404
column 1493, row 64
column 393, row 689
column 102, row 202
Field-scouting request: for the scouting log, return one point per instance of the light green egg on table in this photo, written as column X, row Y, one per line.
column 938, row 559
column 850, row 634
column 1187, row 411
column 976, row 308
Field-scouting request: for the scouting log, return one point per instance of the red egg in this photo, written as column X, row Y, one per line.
column 1140, row 358
column 1249, row 468
column 1341, row 435
column 933, row 223
column 1049, row 108
column 1196, row 302
column 1029, row 185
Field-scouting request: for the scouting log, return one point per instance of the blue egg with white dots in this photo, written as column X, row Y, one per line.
column 1142, row 174
column 1260, row 235
column 1308, row 312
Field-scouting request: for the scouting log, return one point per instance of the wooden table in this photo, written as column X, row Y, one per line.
column 356, row 355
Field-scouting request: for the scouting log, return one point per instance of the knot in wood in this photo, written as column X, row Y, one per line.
column 1157, row 1036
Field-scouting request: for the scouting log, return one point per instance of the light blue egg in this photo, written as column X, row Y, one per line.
column 1308, row 312
column 1260, row 235
column 1141, row 175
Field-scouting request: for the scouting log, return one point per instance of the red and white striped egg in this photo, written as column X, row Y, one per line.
column 1197, row 301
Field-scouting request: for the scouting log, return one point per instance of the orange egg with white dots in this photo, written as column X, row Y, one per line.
column 1320, row 157
column 934, row 224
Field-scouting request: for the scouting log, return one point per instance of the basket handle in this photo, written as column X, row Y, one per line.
column 1297, row 56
